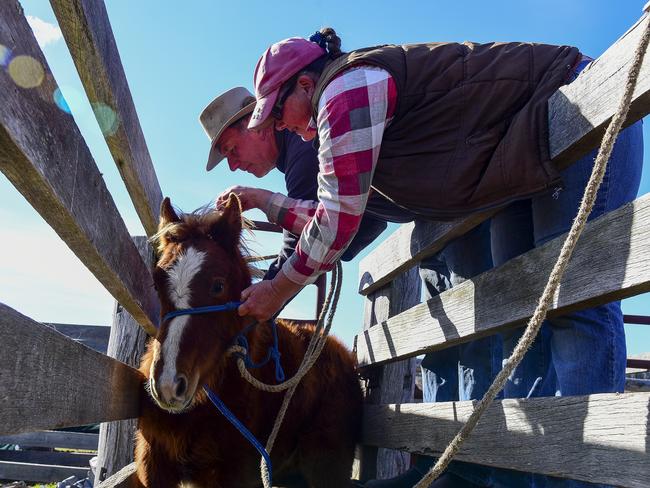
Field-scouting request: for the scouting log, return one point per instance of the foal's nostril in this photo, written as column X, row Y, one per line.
column 180, row 386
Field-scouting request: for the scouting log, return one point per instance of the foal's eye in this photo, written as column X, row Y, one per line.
column 217, row 287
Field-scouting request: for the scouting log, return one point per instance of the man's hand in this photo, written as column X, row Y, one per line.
column 264, row 299
column 249, row 197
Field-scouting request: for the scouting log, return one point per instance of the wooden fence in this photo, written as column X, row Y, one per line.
column 597, row 438
column 45, row 157
column 50, row 456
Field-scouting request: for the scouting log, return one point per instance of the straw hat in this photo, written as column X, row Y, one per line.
column 221, row 113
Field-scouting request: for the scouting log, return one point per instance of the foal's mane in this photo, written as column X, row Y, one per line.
column 197, row 224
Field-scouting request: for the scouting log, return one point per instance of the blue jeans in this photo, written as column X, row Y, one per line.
column 462, row 372
column 583, row 352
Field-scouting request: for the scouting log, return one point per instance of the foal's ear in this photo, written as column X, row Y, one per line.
column 227, row 229
column 167, row 213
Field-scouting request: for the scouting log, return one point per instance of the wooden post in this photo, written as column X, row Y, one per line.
column 393, row 383
column 126, row 343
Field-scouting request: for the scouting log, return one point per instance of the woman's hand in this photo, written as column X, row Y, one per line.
column 249, row 197
column 264, row 299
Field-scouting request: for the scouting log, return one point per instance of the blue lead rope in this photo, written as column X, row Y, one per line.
column 195, row 311
column 241, row 428
column 273, row 354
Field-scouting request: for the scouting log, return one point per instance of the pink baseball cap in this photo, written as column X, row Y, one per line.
column 276, row 66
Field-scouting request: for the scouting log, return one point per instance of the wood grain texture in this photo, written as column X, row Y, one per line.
column 579, row 112
column 127, row 344
column 56, row 458
column 50, row 381
column 45, row 157
column 88, row 34
column 578, row 115
column 409, row 245
column 599, row 438
column 42, row 473
column 53, row 439
column 92, row 336
column 611, row 261
column 393, row 382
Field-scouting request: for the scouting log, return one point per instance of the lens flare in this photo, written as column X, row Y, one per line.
column 5, row 54
column 106, row 117
column 60, row 101
column 26, row 71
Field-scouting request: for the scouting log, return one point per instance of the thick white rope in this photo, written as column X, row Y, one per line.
column 546, row 299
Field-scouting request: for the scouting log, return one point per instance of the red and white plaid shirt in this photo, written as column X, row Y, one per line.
column 353, row 112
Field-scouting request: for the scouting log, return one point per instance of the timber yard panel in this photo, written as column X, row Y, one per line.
column 44, row 364
column 616, row 245
column 598, row 438
column 88, row 34
column 45, row 157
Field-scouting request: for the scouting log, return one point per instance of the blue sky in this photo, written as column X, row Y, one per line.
column 178, row 56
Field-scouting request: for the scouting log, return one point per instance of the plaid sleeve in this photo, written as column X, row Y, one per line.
column 353, row 112
column 289, row 213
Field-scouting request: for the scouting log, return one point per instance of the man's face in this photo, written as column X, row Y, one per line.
column 252, row 151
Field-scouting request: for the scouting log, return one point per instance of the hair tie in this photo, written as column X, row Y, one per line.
column 319, row 39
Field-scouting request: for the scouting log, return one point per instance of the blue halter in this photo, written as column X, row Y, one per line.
column 240, row 339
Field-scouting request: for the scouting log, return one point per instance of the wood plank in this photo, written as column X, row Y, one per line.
column 41, row 473
column 395, row 382
column 637, row 384
column 636, row 319
column 54, row 439
column 45, row 157
column 92, row 336
column 49, row 381
column 638, row 363
column 88, row 34
column 597, row 438
column 57, row 458
column 127, row 344
column 578, row 115
column 580, row 111
column 409, row 245
column 616, row 245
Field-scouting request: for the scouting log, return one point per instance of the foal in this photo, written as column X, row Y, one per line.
column 182, row 438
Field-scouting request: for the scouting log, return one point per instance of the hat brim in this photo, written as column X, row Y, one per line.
column 215, row 156
column 263, row 109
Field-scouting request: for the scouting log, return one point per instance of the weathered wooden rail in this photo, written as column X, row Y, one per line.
column 597, row 438
column 47, row 466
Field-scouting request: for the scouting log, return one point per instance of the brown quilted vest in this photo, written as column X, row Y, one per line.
column 470, row 131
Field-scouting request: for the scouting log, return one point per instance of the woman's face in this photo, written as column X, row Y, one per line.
column 296, row 111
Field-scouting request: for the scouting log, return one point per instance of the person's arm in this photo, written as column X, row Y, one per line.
column 300, row 166
column 349, row 148
column 353, row 113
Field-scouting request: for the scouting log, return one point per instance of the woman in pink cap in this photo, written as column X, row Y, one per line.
column 443, row 130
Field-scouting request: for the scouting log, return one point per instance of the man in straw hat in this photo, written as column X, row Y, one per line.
column 258, row 152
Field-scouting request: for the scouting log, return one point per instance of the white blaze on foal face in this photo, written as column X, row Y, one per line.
column 181, row 275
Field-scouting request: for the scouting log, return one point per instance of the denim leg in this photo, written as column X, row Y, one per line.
column 512, row 234
column 559, row 353
column 598, row 330
column 465, row 371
